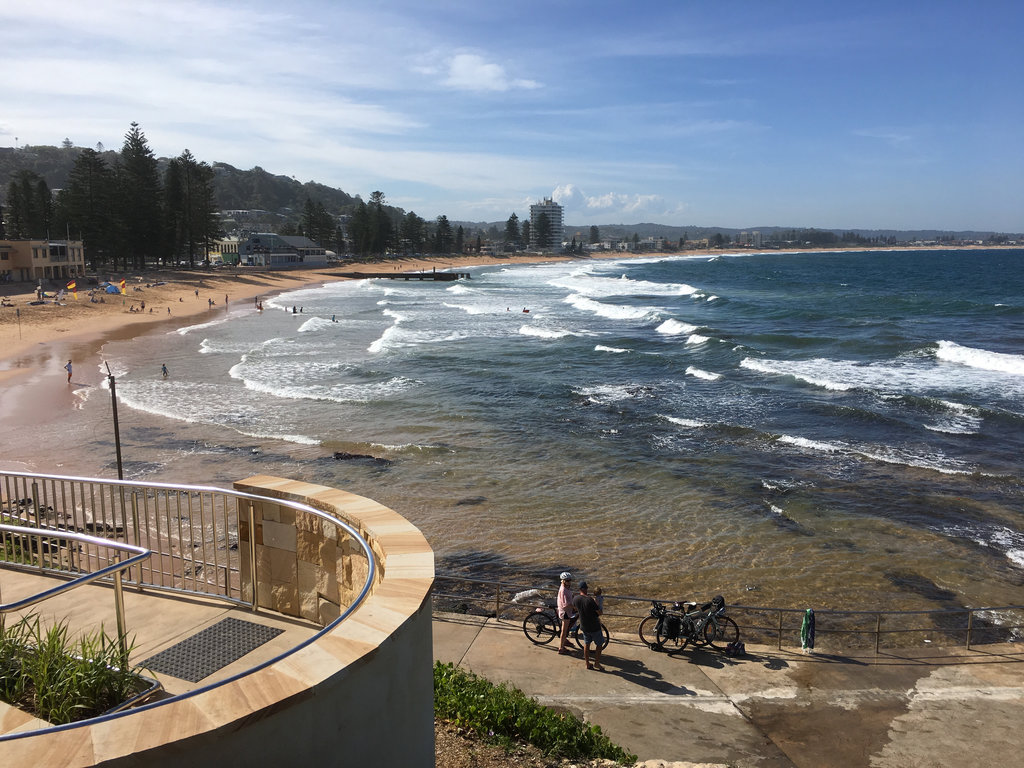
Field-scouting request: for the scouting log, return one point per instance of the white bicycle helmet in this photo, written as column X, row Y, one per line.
column 565, row 576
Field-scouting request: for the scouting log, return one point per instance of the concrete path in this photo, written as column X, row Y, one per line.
column 922, row 707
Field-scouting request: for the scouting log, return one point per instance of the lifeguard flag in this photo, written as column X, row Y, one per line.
column 122, row 286
column 73, row 287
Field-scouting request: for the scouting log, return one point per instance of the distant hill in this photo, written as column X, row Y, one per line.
column 235, row 189
column 284, row 198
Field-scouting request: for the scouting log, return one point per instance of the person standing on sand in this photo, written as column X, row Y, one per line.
column 68, row 369
column 564, row 608
column 590, row 625
column 163, row 370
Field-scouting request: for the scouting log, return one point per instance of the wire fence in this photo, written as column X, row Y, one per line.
column 780, row 627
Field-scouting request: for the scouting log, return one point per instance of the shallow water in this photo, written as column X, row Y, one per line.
column 834, row 430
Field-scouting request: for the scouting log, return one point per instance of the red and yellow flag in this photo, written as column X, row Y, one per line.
column 73, row 287
column 123, row 287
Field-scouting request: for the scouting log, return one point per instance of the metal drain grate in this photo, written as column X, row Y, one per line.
column 214, row 648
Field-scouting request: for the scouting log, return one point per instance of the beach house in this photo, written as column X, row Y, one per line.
column 25, row 260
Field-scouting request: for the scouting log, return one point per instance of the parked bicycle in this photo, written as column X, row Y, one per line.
column 542, row 626
column 672, row 629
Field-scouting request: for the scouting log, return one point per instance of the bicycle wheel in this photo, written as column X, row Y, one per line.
column 541, row 628
column 577, row 635
column 646, row 630
column 673, row 644
column 721, row 631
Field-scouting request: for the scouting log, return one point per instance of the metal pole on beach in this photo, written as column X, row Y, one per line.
column 117, row 431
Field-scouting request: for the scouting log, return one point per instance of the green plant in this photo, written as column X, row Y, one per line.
column 60, row 680
column 505, row 715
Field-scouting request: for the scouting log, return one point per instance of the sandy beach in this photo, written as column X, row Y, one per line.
column 37, row 340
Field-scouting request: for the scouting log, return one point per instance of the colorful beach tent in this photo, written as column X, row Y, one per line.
column 113, row 289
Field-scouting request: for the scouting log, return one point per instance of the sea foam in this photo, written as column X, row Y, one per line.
column 951, row 352
column 673, row 327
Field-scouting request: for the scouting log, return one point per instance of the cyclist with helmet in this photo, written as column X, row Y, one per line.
column 565, row 609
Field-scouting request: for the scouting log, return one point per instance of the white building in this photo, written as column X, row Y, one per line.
column 552, row 211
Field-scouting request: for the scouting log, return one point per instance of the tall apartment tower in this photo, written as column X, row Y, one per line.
column 553, row 212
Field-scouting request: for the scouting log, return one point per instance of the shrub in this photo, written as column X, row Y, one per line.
column 505, row 715
column 59, row 680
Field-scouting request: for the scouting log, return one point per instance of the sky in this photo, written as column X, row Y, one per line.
column 745, row 113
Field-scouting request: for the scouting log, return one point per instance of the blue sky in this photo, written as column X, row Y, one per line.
column 736, row 114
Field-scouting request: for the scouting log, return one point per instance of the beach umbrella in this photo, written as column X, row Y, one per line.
column 807, row 631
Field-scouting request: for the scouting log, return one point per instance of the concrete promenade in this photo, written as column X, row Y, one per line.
column 770, row 708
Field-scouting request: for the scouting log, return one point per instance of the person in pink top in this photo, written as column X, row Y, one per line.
column 565, row 609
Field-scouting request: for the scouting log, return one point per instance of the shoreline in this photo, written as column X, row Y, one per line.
column 35, row 347
column 186, row 295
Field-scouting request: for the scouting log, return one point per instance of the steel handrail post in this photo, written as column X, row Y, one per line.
column 970, row 626
column 252, row 554
column 878, row 631
column 122, row 630
column 137, row 536
column 497, row 600
column 780, row 630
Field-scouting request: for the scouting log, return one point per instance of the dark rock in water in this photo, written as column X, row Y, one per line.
column 346, row 456
column 471, row 501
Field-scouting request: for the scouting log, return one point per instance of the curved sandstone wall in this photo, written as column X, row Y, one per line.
column 362, row 694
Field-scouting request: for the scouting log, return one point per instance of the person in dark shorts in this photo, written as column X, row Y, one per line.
column 590, row 625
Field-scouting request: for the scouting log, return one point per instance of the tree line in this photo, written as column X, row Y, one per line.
column 126, row 213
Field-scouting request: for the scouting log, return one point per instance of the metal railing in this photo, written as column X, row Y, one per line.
column 781, row 626
column 26, row 543
column 191, row 532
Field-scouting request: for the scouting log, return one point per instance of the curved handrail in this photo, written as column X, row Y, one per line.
column 141, row 553
column 295, row 505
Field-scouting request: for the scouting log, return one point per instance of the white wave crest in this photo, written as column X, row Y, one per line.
column 706, row 375
column 810, row 371
column 998, row 537
column 610, row 311
column 673, row 327
column 696, row 338
column 316, row 324
column 545, row 333
column 886, row 455
column 613, row 350
column 602, row 394
column 688, row 423
column 1001, row 362
column 189, row 328
column 580, row 282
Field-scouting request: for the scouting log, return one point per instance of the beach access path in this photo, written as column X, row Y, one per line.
column 769, row 708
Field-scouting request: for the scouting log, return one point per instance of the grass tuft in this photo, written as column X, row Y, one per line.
column 502, row 714
column 60, row 680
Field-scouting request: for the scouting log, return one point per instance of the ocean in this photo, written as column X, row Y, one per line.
column 834, row 430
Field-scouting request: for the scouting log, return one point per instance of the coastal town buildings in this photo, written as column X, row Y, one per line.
column 266, row 249
column 550, row 237
column 24, row 260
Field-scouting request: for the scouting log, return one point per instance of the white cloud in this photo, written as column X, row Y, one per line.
column 615, row 204
column 471, row 72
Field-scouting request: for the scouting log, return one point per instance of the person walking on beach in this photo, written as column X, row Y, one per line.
column 163, row 370
column 565, row 612
column 590, row 625
column 68, row 369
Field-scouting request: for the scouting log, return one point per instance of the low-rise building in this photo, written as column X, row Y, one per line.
column 30, row 260
column 266, row 249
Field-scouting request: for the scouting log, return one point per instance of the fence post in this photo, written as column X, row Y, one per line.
column 252, row 555
column 878, row 631
column 970, row 627
column 780, row 630
column 497, row 600
column 119, row 610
